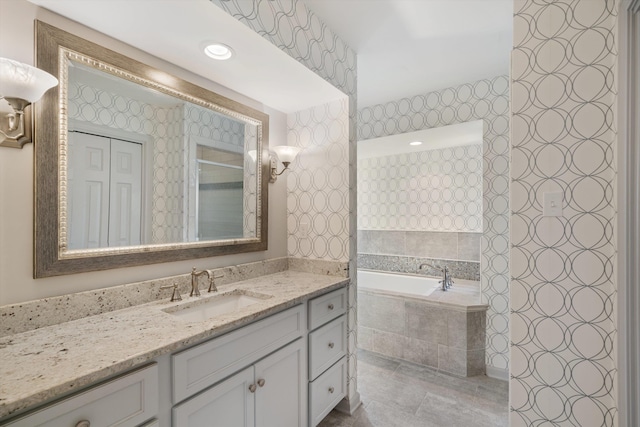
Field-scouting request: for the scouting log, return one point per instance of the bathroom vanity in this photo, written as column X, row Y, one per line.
column 279, row 361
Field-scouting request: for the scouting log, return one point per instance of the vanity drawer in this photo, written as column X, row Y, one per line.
column 327, row 345
column 327, row 307
column 327, row 391
column 127, row 401
column 206, row 364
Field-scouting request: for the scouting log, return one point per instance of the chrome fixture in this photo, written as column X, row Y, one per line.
column 20, row 86
column 175, row 295
column 212, row 285
column 286, row 154
column 447, row 282
column 194, row 281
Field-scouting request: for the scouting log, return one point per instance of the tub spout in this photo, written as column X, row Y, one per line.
column 447, row 282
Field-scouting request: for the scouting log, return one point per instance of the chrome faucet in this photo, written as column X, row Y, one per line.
column 447, row 282
column 194, row 281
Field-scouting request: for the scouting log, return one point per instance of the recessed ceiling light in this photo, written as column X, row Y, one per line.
column 416, row 143
column 218, row 51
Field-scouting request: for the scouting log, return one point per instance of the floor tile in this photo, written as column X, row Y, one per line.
column 403, row 394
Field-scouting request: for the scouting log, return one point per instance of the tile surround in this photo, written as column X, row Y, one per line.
column 441, row 337
column 404, row 264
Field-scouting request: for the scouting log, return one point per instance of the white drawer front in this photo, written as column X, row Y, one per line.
column 206, row 364
column 326, row 345
column 327, row 307
column 127, row 401
column 327, row 391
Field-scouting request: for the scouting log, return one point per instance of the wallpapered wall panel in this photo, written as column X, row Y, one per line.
column 563, row 291
column 293, row 28
column 487, row 100
column 430, row 190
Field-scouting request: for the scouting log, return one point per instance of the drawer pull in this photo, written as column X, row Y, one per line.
column 331, row 390
column 331, row 345
column 261, row 382
column 330, row 307
column 83, row 423
column 252, row 388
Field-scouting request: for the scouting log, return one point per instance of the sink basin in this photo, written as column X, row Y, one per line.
column 216, row 305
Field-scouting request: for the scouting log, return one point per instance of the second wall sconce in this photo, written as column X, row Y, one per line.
column 286, row 154
column 20, row 86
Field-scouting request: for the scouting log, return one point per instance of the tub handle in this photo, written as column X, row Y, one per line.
column 330, row 306
column 331, row 345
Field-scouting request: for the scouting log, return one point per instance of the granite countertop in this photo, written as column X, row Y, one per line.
column 56, row 360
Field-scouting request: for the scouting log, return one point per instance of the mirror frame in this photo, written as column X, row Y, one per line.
column 50, row 255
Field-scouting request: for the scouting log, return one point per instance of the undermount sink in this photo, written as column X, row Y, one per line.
column 216, row 305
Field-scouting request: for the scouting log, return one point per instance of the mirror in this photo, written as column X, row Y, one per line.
column 134, row 166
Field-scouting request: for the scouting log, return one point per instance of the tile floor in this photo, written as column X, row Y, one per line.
column 398, row 393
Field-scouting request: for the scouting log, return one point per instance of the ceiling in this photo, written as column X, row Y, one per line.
column 410, row 47
column 259, row 70
column 405, row 47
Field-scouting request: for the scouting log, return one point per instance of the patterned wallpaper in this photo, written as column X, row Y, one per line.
column 293, row 28
column 431, row 190
column 317, row 194
column 487, row 100
column 563, row 292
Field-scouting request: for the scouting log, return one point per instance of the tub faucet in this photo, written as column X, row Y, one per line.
column 194, row 280
column 446, row 281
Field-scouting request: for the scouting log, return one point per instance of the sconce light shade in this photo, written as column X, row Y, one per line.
column 18, row 80
column 286, row 154
column 20, row 85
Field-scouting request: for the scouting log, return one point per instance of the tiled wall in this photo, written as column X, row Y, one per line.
column 486, row 100
column 563, row 292
column 436, row 336
column 289, row 25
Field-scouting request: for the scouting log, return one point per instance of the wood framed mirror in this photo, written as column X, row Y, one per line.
column 134, row 166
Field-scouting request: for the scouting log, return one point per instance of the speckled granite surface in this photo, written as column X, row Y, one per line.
column 468, row 270
column 40, row 364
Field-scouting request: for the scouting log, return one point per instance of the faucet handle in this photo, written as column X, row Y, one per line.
column 212, row 285
column 175, row 295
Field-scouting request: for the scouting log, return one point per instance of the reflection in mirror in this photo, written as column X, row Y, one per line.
column 150, row 167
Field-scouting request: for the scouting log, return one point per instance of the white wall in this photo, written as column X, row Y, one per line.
column 16, row 178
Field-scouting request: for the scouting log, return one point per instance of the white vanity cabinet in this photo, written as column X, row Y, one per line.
column 327, row 353
column 127, row 401
column 245, row 382
column 270, row 393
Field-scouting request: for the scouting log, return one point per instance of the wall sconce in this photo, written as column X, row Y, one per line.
column 20, row 85
column 286, row 154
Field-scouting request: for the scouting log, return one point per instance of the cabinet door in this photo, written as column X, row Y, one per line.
column 281, row 397
column 229, row 404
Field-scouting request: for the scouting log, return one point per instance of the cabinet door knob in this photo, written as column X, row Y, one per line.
column 331, row 390
column 330, row 307
column 261, row 382
column 331, row 345
column 83, row 423
column 252, row 388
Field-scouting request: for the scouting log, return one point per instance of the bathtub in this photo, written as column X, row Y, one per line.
column 420, row 286
column 409, row 317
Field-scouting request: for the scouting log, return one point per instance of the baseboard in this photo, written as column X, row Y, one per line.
column 349, row 406
column 498, row 373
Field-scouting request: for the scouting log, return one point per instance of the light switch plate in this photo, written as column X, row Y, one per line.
column 304, row 229
column 552, row 203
